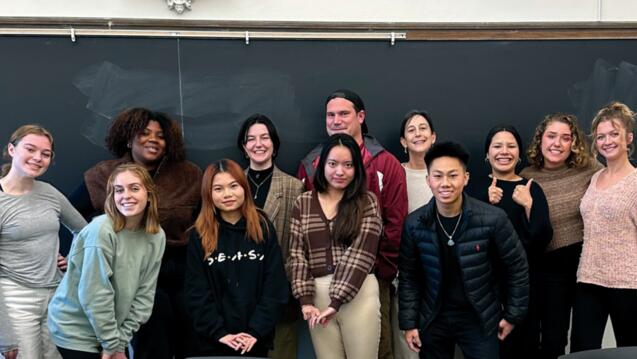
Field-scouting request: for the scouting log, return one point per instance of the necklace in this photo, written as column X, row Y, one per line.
column 450, row 242
column 258, row 185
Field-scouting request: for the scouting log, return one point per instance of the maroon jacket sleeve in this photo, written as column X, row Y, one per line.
column 393, row 211
column 302, row 175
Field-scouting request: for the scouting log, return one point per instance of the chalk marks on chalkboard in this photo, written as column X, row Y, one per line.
column 606, row 83
column 111, row 89
column 214, row 103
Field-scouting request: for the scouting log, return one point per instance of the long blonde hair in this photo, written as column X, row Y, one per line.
column 17, row 136
column 151, row 214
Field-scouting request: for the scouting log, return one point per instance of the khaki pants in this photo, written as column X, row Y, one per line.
column 401, row 350
column 354, row 331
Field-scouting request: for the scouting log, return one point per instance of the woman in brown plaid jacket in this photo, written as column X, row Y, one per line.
column 334, row 234
column 274, row 192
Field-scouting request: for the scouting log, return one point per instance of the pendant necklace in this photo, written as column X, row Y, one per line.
column 256, row 191
column 450, row 242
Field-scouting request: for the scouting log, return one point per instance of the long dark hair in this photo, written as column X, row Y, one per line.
column 351, row 206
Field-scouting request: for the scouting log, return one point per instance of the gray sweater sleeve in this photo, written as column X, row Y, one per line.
column 69, row 216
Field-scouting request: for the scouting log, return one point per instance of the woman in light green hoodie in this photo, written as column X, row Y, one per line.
column 108, row 290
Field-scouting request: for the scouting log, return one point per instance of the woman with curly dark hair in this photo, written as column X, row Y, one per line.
column 154, row 141
column 562, row 165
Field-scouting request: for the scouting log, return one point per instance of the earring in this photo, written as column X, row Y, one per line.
column 519, row 160
column 405, row 149
column 128, row 145
column 486, row 158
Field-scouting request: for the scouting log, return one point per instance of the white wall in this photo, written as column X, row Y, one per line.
column 336, row 10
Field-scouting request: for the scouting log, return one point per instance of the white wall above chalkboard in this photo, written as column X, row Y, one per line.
column 336, row 10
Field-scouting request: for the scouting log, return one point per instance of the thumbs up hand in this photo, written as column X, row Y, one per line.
column 495, row 192
column 522, row 195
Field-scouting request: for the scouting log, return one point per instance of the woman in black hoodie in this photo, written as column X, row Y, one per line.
column 235, row 282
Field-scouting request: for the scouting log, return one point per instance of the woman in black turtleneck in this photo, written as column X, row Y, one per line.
column 525, row 204
column 274, row 192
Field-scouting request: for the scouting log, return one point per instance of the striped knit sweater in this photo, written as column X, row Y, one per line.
column 314, row 252
column 564, row 189
column 609, row 255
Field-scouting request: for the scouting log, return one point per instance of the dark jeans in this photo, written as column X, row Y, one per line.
column 524, row 340
column 462, row 328
column 558, row 276
column 76, row 354
column 168, row 331
column 593, row 305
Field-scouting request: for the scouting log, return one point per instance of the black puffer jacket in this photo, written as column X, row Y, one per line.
column 485, row 234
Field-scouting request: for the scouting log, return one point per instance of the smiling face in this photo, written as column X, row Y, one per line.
column 339, row 168
column 611, row 140
column 503, row 154
column 227, row 195
column 31, row 156
column 259, row 147
column 447, row 179
column 341, row 117
column 149, row 146
column 557, row 141
column 131, row 197
column 418, row 137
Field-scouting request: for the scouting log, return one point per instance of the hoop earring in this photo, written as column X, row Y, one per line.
column 486, row 159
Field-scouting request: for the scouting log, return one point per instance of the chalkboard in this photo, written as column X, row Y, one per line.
column 210, row 86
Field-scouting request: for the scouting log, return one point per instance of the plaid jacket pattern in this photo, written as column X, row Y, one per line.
column 314, row 252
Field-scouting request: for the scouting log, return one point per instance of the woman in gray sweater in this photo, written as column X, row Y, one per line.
column 30, row 216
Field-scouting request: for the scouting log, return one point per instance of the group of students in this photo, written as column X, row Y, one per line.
column 381, row 259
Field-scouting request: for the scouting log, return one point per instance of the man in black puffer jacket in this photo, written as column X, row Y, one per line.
column 448, row 290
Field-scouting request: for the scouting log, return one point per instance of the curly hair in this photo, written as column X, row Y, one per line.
column 132, row 122
column 579, row 156
column 619, row 114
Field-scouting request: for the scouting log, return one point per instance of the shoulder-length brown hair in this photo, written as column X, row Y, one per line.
column 17, row 136
column 579, row 157
column 150, row 220
column 131, row 122
column 207, row 225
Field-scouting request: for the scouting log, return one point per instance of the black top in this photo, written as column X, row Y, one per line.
column 536, row 232
column 453, row 296
column 240, row 287
column 260, row 184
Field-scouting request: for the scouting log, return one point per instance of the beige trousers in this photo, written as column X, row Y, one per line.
column 354, row 331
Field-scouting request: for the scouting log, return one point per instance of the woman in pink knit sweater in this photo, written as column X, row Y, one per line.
column 607, row 274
